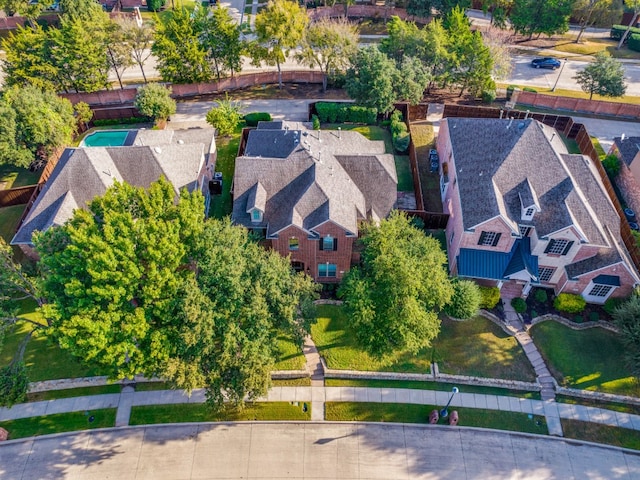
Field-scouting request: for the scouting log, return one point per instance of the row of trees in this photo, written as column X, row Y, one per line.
column 140, row 283
column 78, row 55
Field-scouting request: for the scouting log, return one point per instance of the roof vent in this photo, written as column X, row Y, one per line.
column 180, row 142
column 157, row 149
column 521, row 125
column 622, row 137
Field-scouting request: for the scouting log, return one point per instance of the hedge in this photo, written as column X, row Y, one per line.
column 633, row 42
column 519, row 305
column 119, row 121
column 331, row 112
column 399, row 134
column 618, row 30
column 252, row 119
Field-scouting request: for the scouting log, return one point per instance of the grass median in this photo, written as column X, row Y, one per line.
column 593, row 432
column 203, row 413
column 404, row 413
column 58, row 423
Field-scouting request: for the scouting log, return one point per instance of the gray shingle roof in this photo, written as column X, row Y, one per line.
column 628, row 148
column 498, row 161
column 84, row 173
column 311, row 176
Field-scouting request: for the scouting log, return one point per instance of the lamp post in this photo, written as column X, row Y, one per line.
column 444, row 413
column 559, row 74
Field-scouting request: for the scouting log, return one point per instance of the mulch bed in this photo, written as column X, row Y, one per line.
column 535, row 309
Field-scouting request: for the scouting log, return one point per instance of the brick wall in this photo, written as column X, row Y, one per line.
column 577, row 104
column 309, row 251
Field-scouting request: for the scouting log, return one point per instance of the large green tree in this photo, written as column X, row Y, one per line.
column 28, row 59
column 529, row 17
column 43, row 121
column 279, row 28
column 181, row 56
column 140, row 40
column 424, row 8
column 220, row 38
column 627, row 319
column 394, row 299
column 329, row 44
column 370, row 80
column 154, row 100
column 470, row 61
column 140, row 282
column 604, row 76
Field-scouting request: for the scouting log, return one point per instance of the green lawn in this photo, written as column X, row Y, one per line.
column 336, row 342
column 590, row 359
column 404, row 413
column 13, row 177
column 202, row 413
column 291, row 357
column 403, row 170
column 62, row 422
column 9, row 217
column 571, row 144
column 593, row 432
column 476, row 347
column 599, row 150
column 44, row 360
column 73, row 392
column 227, row 151
column 480, row 348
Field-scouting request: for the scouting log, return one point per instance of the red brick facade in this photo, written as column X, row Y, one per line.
column 308, row 254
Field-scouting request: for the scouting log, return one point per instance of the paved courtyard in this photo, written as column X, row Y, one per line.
column 310, row 451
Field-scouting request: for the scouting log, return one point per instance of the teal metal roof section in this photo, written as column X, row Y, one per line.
column 612, row 280
column 492, row 265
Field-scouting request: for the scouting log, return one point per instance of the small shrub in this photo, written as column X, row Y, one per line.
column 488, row 96
column 316, row 122
column 534, row 314
column 633, row 42
column 252, row 119
column 611, row 304
column 578, row 319
column 594, row 317
column 490, row 297
column 510, row 90
column 399, row 134
column 611, row 164
column 519, row 305
column 155, row 5
column 466, row 299
column 529, row 89
column 541, row 296
column 569, row 303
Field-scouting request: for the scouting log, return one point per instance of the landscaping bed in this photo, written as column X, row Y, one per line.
column 538, row 304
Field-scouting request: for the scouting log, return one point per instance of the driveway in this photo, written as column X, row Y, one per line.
column 310, row 451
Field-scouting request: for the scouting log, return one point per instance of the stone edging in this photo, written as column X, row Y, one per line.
column 575, row 326
column 602, row 396
column 484, row 381
column 490, row 316
column 327, row 301
column 357, row 374
column 287, row 374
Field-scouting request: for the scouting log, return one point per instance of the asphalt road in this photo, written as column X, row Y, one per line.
column 310, row 451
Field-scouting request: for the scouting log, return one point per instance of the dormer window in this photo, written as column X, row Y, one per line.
column 528, row 213
column 256, row 216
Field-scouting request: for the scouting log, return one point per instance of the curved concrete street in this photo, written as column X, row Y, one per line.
column 310, row 451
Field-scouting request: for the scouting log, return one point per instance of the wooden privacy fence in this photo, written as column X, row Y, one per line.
column 16, row 196
column 570, row 129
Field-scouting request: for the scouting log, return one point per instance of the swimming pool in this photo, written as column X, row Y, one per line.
column 106, row 138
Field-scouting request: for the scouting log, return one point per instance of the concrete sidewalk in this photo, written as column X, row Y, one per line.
column 549, row 409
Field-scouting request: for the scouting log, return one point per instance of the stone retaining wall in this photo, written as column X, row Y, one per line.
column 289, row 374
column 573, row 325
column 601, row 396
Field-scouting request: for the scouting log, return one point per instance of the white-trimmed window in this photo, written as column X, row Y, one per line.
column 529, row 212
column 294, row 243
column 525, row 230
column 545, row 273
column 256, row 216
column 558, row 247
column 327, row 270
column 489, row 239
column 600, row 290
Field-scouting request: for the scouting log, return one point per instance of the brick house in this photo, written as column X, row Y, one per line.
column 186, row 158
column 305, row 191
column 524, row 212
